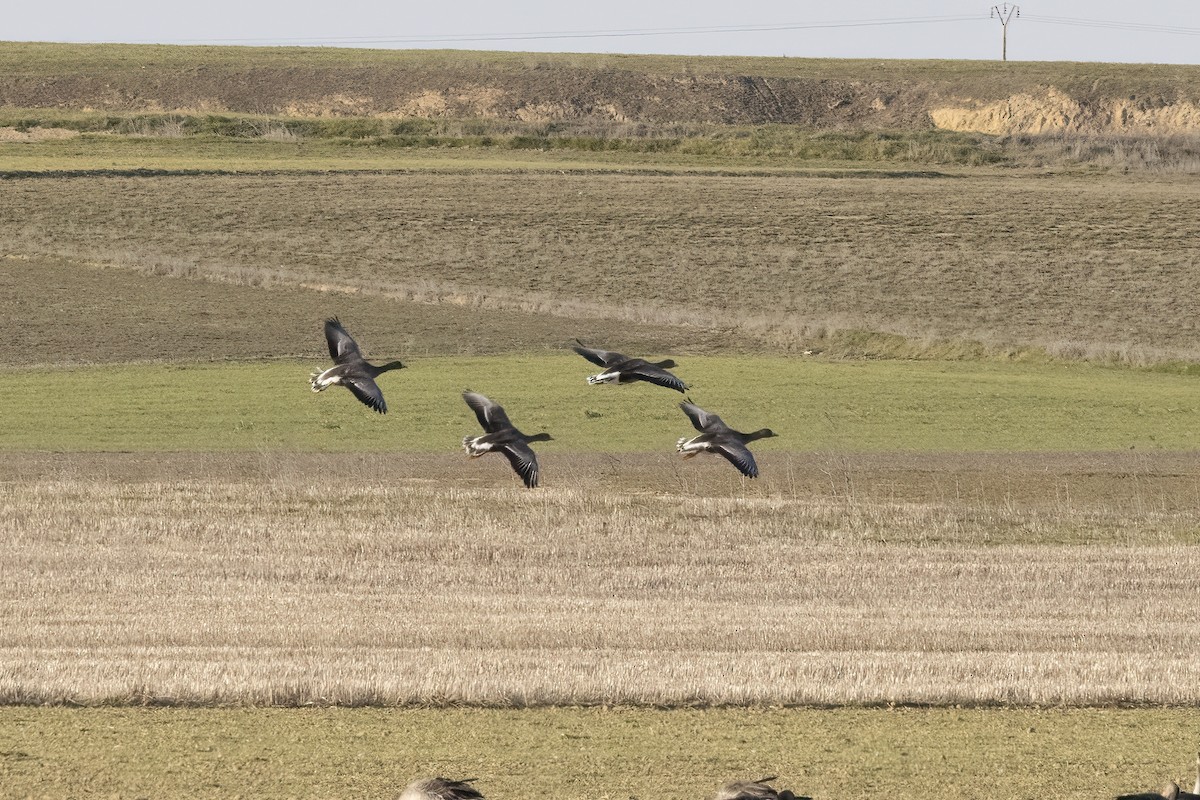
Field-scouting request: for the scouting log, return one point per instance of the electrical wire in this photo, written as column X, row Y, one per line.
column 1113, row 25
column 452, row 39
column 597, row 34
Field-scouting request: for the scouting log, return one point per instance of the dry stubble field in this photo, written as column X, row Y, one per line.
column 173, row 580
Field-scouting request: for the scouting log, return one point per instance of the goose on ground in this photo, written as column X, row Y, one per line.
column 350, row 369
column 1171, row 791
column 717, row 437
column 620, row 368
column 760, row 789
column 440, row 789
column 502, row 437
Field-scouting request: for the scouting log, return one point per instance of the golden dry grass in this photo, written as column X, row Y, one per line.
column 326, row 584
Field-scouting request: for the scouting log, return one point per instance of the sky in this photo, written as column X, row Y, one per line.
column 1150, row 31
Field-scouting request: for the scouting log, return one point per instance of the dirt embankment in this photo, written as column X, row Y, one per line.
column 1053, row 111
column 962, row 96
column 536, row 95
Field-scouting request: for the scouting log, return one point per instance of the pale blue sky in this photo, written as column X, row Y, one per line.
column 1157, row 31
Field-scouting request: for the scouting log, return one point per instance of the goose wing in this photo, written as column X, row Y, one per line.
column 738, row 455
column 342, row 346
column 701, row 419
column 644, row 370
column 367, row 391
column 490, row 414
column 601, row 358
column 521, row 456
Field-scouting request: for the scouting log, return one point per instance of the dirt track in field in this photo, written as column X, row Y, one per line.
column 1110, row 485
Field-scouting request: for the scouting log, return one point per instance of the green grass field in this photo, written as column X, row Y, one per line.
column 123, row 155
column 584, row 754
column 812, row 404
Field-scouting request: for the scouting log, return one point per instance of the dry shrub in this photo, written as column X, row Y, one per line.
column 1173, row 154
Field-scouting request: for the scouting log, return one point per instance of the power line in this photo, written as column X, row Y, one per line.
column 468, row 38
column 597, row 34
column 1114, row 25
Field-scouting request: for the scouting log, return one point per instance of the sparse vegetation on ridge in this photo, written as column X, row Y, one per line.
column 715, row 113
column 838, row 93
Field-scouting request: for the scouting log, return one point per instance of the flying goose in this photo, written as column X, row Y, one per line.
column 350, row 369
column 620, row 368
column 440, row 789
column 502, row 437
column 717, row 437
column 760, row 789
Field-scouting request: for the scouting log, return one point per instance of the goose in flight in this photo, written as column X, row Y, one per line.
column 440, row 789
column 350, row 369
column 502, row 437
column 717, row 437
column 620, row 368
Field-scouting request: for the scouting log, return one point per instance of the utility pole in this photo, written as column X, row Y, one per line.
column 1004, row 14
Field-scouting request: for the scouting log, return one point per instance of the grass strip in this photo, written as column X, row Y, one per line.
column 813, row 405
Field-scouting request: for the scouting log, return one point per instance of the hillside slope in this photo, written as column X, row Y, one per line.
column 983, row 96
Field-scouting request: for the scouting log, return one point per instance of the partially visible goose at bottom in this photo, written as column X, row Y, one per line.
column 440, row 789
column 760, row 789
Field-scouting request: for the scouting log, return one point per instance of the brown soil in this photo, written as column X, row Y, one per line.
column 671, row 264
column 118, row 316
